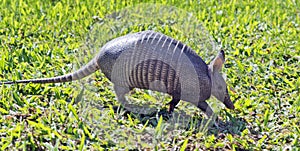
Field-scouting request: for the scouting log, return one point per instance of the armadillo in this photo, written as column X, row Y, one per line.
column 151, row 60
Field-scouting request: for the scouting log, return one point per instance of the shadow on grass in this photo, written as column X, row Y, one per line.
column 184, row 121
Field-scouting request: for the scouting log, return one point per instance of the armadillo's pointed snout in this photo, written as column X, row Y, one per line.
column 228, row 103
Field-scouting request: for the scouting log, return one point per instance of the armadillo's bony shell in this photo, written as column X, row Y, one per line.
column 151, row 60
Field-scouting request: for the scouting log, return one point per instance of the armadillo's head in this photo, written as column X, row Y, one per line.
column 219, row 86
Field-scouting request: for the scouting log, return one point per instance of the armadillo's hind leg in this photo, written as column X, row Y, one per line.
column 121, row 92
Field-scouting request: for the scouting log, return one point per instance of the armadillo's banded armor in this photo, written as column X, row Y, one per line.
column 151, row 60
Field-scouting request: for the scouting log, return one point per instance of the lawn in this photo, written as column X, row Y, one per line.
column 41, row 39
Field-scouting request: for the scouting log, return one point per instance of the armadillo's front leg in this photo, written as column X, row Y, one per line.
column 205, row 108
column 208, row 111
column 174, row 102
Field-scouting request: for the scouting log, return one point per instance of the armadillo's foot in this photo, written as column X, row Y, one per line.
column 216, row 125
column 171, row 108
column 205, row 108
column 120, row 92
column 215, row 121
column 172, row 105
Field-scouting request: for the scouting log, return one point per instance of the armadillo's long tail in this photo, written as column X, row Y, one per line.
column 88, row 69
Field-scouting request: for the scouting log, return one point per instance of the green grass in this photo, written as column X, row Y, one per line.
column 45, row 38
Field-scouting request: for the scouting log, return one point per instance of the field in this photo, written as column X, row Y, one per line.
column 40, row 39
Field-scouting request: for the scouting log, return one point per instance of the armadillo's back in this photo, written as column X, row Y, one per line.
column 151, row 60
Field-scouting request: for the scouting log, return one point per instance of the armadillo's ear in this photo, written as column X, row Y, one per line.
column 218, row 62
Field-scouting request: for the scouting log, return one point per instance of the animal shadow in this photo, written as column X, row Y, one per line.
column 152, row 115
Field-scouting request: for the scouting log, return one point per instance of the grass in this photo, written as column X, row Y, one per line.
column 48, row 38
